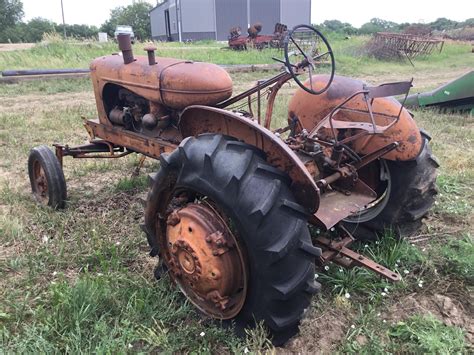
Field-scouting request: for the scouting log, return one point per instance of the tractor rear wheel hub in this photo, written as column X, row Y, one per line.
column 205, row 260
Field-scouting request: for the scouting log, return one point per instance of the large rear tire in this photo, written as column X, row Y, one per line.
column 268, row 223
column 410, row 194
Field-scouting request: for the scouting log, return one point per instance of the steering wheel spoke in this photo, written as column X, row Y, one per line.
column 302, row 59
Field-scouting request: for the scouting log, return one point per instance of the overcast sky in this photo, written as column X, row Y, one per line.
column 356, row 12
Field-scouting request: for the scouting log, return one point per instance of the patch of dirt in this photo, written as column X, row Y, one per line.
column 7, row 47
column 320, row 331
column 448, row 310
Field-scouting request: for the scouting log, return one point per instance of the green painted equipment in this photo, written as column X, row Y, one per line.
column 455, row 96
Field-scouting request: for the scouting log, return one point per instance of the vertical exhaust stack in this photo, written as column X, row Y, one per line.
column 151, row 54
column 125, row 45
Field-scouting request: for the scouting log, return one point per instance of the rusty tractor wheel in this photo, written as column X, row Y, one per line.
column 231, row 235
column 47, row 178
column 406, row 191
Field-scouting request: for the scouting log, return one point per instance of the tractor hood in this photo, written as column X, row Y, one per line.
column 171, row 82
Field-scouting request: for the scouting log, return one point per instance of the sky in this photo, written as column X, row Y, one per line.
column 355, row 12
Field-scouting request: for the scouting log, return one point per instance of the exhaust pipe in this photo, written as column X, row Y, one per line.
column 125, row 45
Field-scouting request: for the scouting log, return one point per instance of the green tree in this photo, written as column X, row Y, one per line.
column 378, row 25
column 11, row 13
column 443, row 24
column 38, row 26
column 135, row 15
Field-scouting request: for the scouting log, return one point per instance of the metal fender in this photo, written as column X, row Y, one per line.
column 311, row 109
column 197, row 120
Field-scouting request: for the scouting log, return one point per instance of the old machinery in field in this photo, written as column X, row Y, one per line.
column 229, row 210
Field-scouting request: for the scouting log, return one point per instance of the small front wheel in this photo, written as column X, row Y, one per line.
column 47, row 178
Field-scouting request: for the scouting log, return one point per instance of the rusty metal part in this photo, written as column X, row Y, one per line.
column 271, row 99
column 40, row 183
column 385, row 45
column 150, row 50
column 336, row 205
column 253, row 90
column 369, row 158
column 91, row 150
column 125, row 45
column 139, row 166
column 311, row 109
column 201, row 119
column 368, row 94
column 205, row 260
column 173, row 83
column 135, row 142
column 337, row 251
column 254, row 39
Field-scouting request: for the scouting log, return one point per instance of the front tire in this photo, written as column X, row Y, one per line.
column 270, row 225
column 47, row 178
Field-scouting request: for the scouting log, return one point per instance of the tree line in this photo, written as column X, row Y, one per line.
column 378, row 25
column 13, row 29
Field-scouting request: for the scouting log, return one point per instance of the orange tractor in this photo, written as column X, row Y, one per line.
column 230, row 209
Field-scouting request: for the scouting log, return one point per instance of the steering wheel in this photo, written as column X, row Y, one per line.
column 306, row 51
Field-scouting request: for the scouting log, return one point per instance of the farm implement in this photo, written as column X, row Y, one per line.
column 230, row 210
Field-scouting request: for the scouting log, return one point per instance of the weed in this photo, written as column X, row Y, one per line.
column 426, row 334
column 131, row 184
column 397, row 255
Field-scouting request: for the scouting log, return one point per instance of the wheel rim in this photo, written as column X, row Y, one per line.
column 377, row 206
column 40, row 183
column 205, row 259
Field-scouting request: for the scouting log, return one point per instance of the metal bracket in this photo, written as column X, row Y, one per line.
column 338, row 252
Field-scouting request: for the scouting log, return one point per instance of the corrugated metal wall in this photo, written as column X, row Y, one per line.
column 229, row 14
column 267, row 12
column 198, row 19
column 295, row 12
column 202, row 19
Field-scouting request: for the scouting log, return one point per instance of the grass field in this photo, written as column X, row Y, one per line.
column 80, row 280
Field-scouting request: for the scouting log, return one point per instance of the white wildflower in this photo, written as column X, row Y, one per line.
column 406, row 272
column 316, row 276
column 366, row 246
column 202, row 334
column 384, row 321
column 420, row 285
column 117, row 243
column 385, row 289
column 246, row 350
column 45, row 239
column 353, row 326
column 383, row 294
column 54, row 273
column 340, row 270
column 130, row 346
column 347, row 295
column 326, row 268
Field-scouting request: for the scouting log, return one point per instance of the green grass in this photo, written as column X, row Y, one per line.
column 397, row 255
column 80, row 280
column 418, row 334
column 113, row 312
column 426, row 334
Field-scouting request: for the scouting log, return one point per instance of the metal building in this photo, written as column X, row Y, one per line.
column 181, row 20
